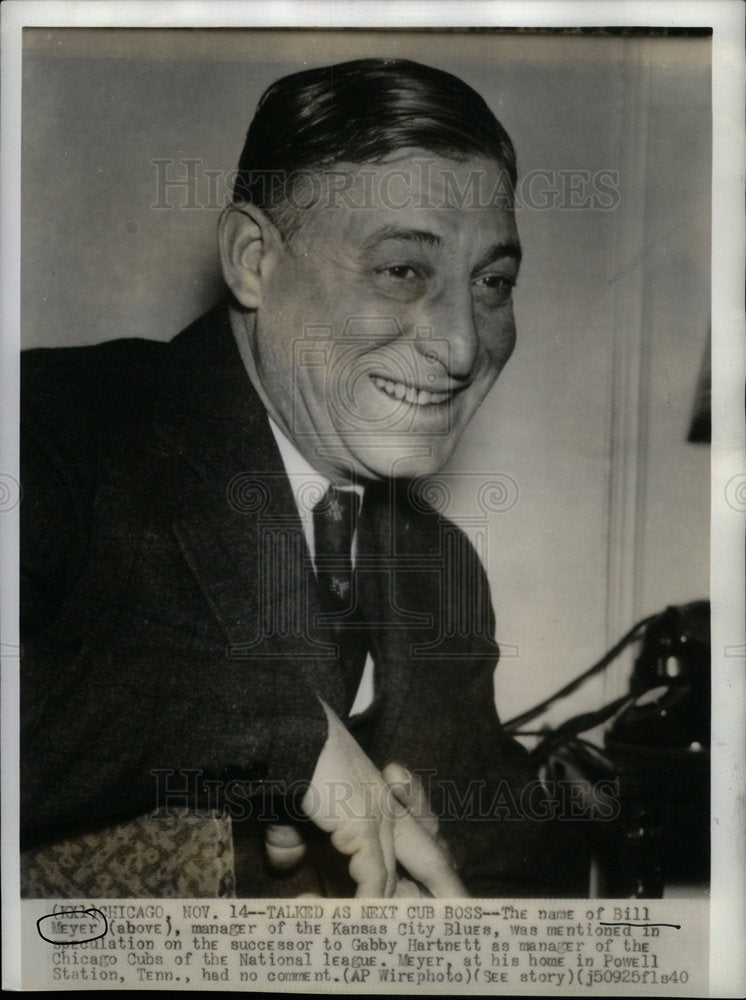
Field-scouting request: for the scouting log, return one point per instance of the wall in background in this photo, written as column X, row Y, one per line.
column 603, row 514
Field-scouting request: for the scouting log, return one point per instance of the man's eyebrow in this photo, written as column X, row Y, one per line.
column 392, row 233
column 498, row 251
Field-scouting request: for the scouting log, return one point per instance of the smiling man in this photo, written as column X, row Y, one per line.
column 252, row 650
column 420, row 284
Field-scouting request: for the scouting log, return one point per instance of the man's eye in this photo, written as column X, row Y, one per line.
column 494, row 289
column 400, row 281
column 400, row 272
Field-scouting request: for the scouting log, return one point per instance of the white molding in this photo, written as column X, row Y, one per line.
column 628, row 371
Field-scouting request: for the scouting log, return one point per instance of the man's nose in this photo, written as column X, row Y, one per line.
column 452, row 338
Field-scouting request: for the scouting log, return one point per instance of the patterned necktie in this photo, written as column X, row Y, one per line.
column 334, row 522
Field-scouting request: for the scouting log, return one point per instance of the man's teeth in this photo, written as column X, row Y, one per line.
column 420, row 397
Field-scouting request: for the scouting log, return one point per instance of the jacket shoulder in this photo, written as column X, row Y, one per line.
column 75, row 399
column 95, row 372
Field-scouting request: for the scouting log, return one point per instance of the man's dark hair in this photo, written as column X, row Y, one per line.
column 361, row 112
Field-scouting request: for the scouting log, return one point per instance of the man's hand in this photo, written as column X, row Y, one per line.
column 284, row 845
column 348, row 799
column 371, row 822
column 430, row 864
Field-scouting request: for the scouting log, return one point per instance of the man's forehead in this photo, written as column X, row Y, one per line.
column 440, row 182
column 422, row 198
column 499, row 249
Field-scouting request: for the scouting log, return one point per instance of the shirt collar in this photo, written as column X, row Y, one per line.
column 307, row 484
column 299, row 468
column 296, row 464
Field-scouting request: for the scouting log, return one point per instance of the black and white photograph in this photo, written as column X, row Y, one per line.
column 364, row 501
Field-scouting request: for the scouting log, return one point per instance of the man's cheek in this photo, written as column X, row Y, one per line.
column 500, row 353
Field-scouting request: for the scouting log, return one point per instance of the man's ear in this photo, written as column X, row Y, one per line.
column 245, row 235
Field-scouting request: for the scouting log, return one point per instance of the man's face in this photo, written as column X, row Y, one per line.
column 387, row 317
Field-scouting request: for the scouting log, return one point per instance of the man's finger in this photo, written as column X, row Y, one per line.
column 367, row 866
column 372, row 856
column 409, row 791
column 407, row 889
column 284, row 845
column 425, row 860
column 388, row 849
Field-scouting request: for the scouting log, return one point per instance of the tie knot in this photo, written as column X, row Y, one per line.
column 334, row 521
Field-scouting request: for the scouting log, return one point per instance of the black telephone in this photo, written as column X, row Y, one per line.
column 656, row 751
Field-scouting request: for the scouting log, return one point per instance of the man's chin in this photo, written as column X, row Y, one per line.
column 401, row 463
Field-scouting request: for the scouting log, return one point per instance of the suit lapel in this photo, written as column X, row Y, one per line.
column 240, row 533
column 238, row 526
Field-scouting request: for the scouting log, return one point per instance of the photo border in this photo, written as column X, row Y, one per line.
column 727, row 468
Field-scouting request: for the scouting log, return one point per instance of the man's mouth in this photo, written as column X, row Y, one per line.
column 409, row 393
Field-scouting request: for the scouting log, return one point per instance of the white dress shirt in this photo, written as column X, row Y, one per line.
column 308, row 486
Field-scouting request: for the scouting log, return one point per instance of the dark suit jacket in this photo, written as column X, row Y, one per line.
column 169, row 611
